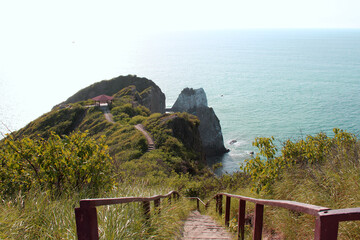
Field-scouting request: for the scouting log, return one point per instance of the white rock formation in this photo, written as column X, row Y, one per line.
column 194, row 101
column 189, row 99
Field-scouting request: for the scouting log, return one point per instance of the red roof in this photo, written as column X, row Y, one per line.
column 102, row 98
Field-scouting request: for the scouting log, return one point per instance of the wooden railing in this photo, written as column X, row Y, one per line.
column 198, row 201
column 326, row 220
column 86, row 215
column 326, row 223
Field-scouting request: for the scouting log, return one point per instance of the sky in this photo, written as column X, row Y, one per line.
column 51, row 49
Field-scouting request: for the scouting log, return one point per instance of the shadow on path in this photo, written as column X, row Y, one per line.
column 107, row 114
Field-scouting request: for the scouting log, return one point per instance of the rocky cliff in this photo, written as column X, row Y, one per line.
column 190, row 99
column 153, row 97
column 194, row 101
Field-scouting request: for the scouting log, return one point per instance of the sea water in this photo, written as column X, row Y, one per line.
column 281, row 83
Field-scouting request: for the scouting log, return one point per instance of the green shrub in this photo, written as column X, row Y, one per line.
column 313, row 150
column 137, row 120
column 57, row 163
column 173, row 146
column 143, row 111
column 264, row 172
column 126, row 108
column 60, row 121
column 329, row 178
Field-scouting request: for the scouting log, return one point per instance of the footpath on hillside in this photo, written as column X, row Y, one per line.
column 107, row 114
column 150, row 141
column 202, row 227
column 140, row 127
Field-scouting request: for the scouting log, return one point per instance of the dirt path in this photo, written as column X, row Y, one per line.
column 107, row 114
column 203, row 227
column 150, row 141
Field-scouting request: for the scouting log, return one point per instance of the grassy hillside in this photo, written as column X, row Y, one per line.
column 111, row 87
column 152, row 96
column 176, row 135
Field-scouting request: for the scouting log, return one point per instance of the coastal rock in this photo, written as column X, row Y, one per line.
column 232, row 142
column 153, row 99
column 189, row 99
column 195, row 102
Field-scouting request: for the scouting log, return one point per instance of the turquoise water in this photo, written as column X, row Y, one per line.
column 281, row 83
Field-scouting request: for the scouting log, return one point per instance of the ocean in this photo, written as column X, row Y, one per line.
column 281, row 83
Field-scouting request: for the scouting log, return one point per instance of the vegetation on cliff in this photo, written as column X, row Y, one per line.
column 154, row 98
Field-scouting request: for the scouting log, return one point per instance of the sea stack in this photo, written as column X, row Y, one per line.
column 194, row 101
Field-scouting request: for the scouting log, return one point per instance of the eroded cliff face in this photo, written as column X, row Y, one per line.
column 194, row 101
column 210, row 131
column 153, row 99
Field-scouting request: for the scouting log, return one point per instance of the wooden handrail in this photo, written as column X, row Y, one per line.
column 326, row 224
column 198, row 201
column 86, row 215
column 95, row 202
column 291, row 205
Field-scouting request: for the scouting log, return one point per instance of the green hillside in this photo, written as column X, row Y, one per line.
column 176, row 136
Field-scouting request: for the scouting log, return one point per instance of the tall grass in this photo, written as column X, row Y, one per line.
column 127, row 221
column 333, row 184
column 38, row 215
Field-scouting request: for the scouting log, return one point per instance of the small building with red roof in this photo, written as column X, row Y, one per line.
column 103, row 99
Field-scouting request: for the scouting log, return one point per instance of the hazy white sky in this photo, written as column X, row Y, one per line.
column 73, row 17
column 46, row 45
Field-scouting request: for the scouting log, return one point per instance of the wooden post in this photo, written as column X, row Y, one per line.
column 146, row 207
column 241, row 219
column 176, row 196
column 220, row 204
column 326, row 228
column 258, row 222
column 227, row 210
column 157, row 206
column 86, row 223
column 198, row 204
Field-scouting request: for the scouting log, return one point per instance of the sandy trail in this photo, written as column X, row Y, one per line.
column 150, row 141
